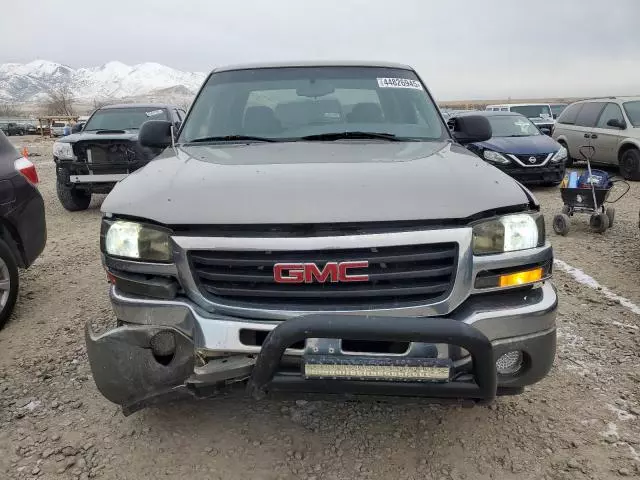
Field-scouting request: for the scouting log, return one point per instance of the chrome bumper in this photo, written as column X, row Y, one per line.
column 101, row 178
column 497, row 316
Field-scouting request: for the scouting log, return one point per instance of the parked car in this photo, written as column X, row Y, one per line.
column 12, row 128
column 557, row 108
column 23, row 230
column 539, row 113
column 611, row 125
column 57, row 129
column 519, row 149
column 29, row 128
column 318, row 228
column 105, row 151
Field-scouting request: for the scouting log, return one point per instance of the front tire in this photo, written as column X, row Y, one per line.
column 72, row 199
column 9, row 283
column 630, row 164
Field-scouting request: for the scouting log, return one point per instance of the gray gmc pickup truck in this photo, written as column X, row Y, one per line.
column 317, row 228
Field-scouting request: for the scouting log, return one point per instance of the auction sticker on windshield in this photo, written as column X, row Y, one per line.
column 399, row 83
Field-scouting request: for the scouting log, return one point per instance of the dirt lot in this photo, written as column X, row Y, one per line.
column 583, row 421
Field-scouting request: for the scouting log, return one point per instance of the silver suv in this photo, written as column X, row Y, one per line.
column 318, row 228
column 611, row 125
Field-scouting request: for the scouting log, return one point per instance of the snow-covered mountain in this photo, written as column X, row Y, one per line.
column 30, row 82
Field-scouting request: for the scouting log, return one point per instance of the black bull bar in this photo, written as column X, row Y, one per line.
column 265, row 377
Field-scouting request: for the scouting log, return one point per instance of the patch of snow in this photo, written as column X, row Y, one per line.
column 591, row 282
column 32, row 405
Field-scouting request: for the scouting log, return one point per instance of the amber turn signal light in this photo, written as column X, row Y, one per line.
column 521, row 278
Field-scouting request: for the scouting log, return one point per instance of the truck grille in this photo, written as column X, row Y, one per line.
column 107, row 152
column 397, row 275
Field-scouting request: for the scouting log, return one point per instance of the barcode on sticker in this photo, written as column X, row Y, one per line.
column 399, row 83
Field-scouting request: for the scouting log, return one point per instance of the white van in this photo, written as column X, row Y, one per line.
column 539, row 113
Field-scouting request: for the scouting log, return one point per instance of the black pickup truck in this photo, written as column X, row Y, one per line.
column 105, row 151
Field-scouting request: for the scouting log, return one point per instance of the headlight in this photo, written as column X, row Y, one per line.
column 559, row 155
column 495, row 157
column 63, row 151
column 509, row 233
column 137, row 241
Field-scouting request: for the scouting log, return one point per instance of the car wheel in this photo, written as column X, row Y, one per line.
column 599, row 222
column 568, row 161
column 630, row 164
column 9, row 282
column 72, row 199
column 561, row 224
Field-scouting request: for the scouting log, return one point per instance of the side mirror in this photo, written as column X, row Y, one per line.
column 471, row 129
column 554, row 115
column 615, row 123
column 545, row 130
column 155, row 134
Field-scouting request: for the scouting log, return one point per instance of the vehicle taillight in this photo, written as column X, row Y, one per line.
column 27, row 169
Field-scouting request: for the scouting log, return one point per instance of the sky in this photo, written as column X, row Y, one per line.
column 463, row 49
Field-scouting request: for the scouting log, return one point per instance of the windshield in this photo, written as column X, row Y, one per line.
column 123, row 118
column 557, row 109
column 512, row 126
column 533, row 111
column 633, row 112
column 288, row 104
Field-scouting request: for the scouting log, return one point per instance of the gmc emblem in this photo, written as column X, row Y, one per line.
column 310, row 272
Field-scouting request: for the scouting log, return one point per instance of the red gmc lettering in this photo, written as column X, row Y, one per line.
column 344, row 275
column 310, row 272
column 288, row 272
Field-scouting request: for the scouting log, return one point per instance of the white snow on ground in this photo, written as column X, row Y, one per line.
column 591, row 282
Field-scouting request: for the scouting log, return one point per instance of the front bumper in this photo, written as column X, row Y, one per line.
column 549, row 173
column 209, row 351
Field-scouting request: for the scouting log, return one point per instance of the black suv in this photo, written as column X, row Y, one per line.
column 23, row 231
column 12, row 128
column 106, row 150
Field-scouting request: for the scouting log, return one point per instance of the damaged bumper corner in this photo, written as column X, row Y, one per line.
column 128, row 372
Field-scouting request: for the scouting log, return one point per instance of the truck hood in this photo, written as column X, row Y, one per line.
column 533, row 145
column 129, row 135
column 313, row 182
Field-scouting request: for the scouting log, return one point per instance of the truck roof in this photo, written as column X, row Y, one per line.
column 324, row 63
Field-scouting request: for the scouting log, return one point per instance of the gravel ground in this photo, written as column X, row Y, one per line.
column 582, row 421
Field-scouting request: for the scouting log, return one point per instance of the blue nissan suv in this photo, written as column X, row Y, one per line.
column 518, row 148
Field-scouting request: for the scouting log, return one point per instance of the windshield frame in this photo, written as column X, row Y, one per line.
column 166, row 117
column 445, row 133
column 626, row 112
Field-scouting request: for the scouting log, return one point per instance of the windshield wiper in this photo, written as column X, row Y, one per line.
column 355, row 135
column 232, row 138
